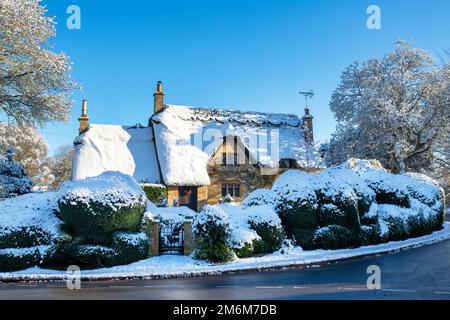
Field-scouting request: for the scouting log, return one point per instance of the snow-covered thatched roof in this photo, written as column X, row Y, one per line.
column 184, row 141
column 129, row 150
column 187, row 137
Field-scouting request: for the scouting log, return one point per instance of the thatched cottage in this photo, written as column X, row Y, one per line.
column 201, row 155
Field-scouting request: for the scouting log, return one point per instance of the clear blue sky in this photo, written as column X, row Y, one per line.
column 250, row 55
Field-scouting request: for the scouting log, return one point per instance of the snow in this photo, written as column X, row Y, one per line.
column 113, row 189
column 183, row 266
column 241, row 233
column 240, row 218
column 133, row 239
column 20, row 252
column 187, row 138
column 129, row 150
column 33, row 209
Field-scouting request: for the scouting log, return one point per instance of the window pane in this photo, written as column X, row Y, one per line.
column 237, row 190
column 224, row 190
column 224, row 159
column 230, row 189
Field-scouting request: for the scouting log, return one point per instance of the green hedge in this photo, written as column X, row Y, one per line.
column 24, row 237
column 271, row 238
column 130, row 247
column 335, row 237
column 303, row 237
column 339, row 209
column 96, row 222
column 155, row 192
column 370, row 234
column 11, row 260
column 297, row 214
column 212, row 231
column 245, row 252
column 219, row 252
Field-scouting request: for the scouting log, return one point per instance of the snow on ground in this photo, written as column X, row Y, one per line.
column 179, row 266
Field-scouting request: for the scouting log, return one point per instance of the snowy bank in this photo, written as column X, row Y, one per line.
column 183, row 266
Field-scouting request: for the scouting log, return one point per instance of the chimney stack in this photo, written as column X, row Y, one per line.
column 308, row 126
column 84, row 119
column 158, row 98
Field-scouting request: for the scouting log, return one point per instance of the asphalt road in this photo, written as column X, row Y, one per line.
column 421, row 273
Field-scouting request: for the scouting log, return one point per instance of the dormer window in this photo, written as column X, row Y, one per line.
column 231, row 158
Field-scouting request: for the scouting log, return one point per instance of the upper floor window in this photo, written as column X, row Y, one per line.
column 231, row 158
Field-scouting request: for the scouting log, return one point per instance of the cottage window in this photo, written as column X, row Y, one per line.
column 233, row 189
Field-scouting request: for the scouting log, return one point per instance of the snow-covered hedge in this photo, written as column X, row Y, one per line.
column 130, row 246
column 91, row 223
column 211, row 229
column 94, row 208
column 249, row 230
column 356, row 203
column 28, row 230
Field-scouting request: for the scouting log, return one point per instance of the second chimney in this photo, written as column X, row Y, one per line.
column 158, row 98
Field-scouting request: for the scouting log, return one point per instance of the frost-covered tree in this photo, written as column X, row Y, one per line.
column 61, row 166
column 30, row 149
column 13, row 179
column 395, row 109
column 35, row 83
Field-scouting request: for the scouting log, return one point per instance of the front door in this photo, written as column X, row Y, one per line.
column 188, row 197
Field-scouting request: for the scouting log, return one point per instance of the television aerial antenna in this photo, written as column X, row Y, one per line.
column 308, row 95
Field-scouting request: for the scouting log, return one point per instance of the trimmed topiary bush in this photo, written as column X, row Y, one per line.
column 96, row 207
column 297, row 201
column 303, row 237
column 370, row 234
column 388, row 190
column 339, row 207
column 92, row 256
column 335, row 237
column 130, row 246
column 24, row 237
column 212, row 230
column 261, row 197
column 14, row 259
column 271, row 237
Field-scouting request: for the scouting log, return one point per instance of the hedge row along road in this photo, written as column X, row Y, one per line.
column 420, row 273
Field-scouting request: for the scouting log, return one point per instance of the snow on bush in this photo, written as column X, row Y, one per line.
column 13, row 179
column 29, row 220
column 261, row 197
column 95, row 207
column 212, row 231
column 130, row 246
column 112, row 188
column 252, row 230
column 357, row 202
column 28, row 230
